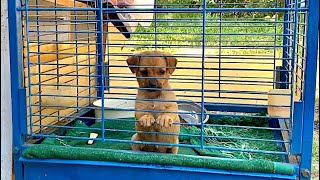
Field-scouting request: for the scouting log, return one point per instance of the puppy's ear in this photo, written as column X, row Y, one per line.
column 133, row 62
column 171, row 62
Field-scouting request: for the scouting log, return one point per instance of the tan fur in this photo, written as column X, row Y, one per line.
column 153, row 121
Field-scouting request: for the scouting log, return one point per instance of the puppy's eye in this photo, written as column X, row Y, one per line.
column 162, row 72
column 144, row 72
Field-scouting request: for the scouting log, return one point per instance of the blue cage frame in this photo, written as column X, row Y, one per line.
column 53, row 169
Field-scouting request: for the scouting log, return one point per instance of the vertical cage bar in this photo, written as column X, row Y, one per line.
column 155, row 27
column 285, row 49
column 310, row 86
column 57, row 53
column 89, row 55
column 57, row 40
column 107, row 47
column 16, row 72
column 28, row 66
column 296, row 129
column 295, row 82
column 204, row 11
column 99, row 46
column 292, row 87
column 220, row 50
column 76, row 54
column 39, row 67
column 99, row 16
column 303, row 61
column 275, row 44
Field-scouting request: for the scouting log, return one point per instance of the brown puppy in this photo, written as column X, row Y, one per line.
column 155, row 75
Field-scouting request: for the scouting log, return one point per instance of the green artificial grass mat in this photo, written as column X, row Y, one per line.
column 68, row 148
column 44, row 151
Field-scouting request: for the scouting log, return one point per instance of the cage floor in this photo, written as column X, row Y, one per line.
column 122, row 130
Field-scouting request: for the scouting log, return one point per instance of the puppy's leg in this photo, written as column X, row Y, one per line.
column 136, row 147
column 165, row 124
column 166, row 119
column 163, row 149
column 145, row 119
column 173, row 138
column 175, row 149
column 168, row 139
column 145, row 122
column 172, row 150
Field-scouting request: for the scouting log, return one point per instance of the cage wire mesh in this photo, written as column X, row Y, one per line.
column 230, row 55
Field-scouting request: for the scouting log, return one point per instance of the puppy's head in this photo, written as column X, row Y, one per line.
column 152, row 68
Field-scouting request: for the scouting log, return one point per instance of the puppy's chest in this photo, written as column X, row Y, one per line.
column 157, row 106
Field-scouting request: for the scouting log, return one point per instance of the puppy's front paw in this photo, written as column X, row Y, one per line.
column 146, row 120
column 164, row 120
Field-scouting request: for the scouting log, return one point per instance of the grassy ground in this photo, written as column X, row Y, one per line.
column 184, row 30
column 315, row 153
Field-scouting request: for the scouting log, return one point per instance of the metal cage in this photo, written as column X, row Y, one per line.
column 249, row 66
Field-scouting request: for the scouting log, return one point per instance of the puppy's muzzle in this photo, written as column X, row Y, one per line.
column 153, row 85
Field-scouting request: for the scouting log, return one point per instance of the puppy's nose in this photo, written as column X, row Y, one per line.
column 152, row 84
